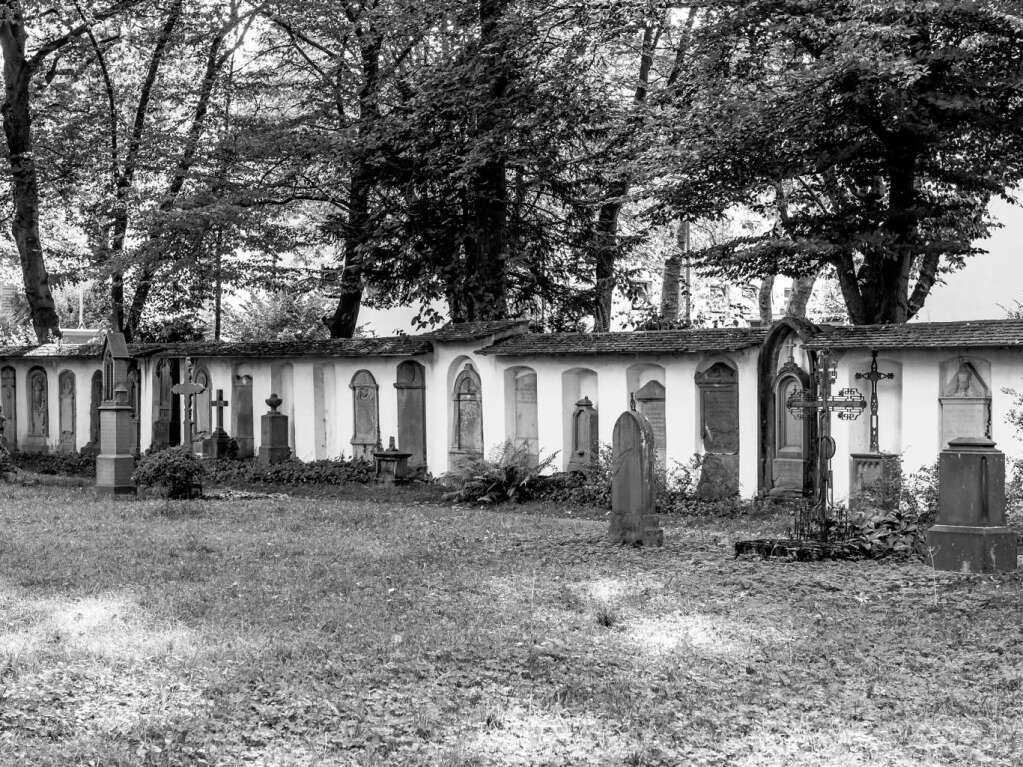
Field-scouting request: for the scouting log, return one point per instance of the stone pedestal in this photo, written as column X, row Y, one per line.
column 633, row 511
column 391, row 464
column 115, row 462
column 218, row 444
column 585, row 436
column 274, row 434
column 970, row 534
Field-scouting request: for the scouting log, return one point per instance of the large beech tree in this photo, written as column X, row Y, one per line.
column 888, row 127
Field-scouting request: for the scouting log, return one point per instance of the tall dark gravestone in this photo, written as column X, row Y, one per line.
column 273, row 446
column 366, row 414
column 410, row 388
column 971, row 535
column 719, row 428
column 8, row 412
column 241, row 415
column 633, row 511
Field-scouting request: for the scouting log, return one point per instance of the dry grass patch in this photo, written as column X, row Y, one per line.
column 327, row 631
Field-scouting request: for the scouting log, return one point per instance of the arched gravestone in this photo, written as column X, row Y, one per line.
column 719, row 429
column 965, row 399
column 585, row 436
column 650, row 402
column 633, row 490
column 410, row 388
column 38, row 411
column 241, row 415
column 163, row 404
column 366, row 415
column 8, row 409
column 467, row 417
column 134, row 385
column 66, row 411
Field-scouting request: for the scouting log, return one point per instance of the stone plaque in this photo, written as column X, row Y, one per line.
column 241, row 415
column 467, row 427
column 38, row 411
column 7, row 406
column 964, row 417
column 95, row 400
column 367, row 415
column 66, row 411
column 633, row 489
column 650, row 402
column 410, row 388
column 526, row 425
column 720, row 413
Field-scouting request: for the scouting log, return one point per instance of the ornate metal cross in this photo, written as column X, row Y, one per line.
column 188, row 390
column 219, row 404
column 847, row 405
column 874, row 376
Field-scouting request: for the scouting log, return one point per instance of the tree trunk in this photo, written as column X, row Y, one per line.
column 765, row 300
column 802, row 289
column 17, row 119
column 605, row 250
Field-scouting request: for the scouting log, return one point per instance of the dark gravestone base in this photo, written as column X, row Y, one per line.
column 647, row 533
column 270, row 455
column 798, row 551
column 967, row 549
column 35, row 444
column 719, row 477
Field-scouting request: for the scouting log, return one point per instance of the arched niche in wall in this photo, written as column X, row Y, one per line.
column 410, row 391
column 95, row 400
column 37, row 384
column 201, row 402
column 282, row 383
column 134, row 383
column 521, row 422
column 325, row 410
column 466, row 414
column 366, row 414
column 9, row 406
column 889, row 406
column 965, row 398
column 648, row 393
column 66, row 411
column 242, row 414
column 579, row 407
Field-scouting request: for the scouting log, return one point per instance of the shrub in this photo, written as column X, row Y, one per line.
column 176, row 470
column 508, row 475
column 6, row 463
column 73, row 464
column 883, row 528
column 337, row 471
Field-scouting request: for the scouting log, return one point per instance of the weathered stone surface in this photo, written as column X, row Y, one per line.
column 585, row 436
column 719, row 476
column 633, row 513
column 273, row 446
column 66, row 412
column 39, row 411
column 241, row 415
column 410, row 388
column 970, row 534
column 367, row 415
column 8, row 411
column 115, row 462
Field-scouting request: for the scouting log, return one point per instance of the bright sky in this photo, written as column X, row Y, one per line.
column 989, row 281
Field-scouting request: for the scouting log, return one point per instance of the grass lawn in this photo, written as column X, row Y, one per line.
column 326, row 631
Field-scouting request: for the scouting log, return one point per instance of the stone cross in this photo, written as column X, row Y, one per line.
column 847, row 405
column 219, row 404
column 874, row 376
column 633, row 511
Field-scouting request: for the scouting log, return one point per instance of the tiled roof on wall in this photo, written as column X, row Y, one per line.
column 389, row 346
column 52, row 350
column 639, row 342
column 473, row 331
column 921, row 335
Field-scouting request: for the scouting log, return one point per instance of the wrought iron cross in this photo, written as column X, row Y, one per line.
column 219, row 404
column 847, row 405
column 874, row 376
column 188, row 390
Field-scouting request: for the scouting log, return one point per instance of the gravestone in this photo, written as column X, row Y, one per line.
column 391, row 464
column 527, row 431
column 190, row 390
column 585, row 436
column 367, row 415
column 135, row 400
column 273, row 446
column 66, row 412
column 163, row 397
column 7, row 407
column 719, row 427
column 650, row 402
column 965, row 401
column 38, row 411
column 633, row 490
column 218, row 444
column 970, row 534
column 410, row 388
column 467, row 427
column 241, row 416
column 118, row 438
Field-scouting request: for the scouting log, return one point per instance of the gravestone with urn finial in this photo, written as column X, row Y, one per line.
column 273, row 447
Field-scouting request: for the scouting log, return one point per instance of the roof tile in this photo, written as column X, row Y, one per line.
column 638, row 342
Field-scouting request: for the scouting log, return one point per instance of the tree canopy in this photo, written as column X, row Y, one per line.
column 495, row 157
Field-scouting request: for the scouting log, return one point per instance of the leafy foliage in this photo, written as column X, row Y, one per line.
column 276, row 315
column 509, row 474
column 291, row 472
column 63, row 464
column 175, row 469
column 893, row 519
